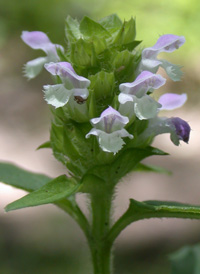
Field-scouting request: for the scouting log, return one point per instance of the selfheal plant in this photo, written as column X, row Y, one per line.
column 104, row 120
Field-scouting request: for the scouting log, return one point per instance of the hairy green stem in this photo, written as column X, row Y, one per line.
column 100, row 250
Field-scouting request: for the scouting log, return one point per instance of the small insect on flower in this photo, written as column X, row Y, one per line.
column 80, row 100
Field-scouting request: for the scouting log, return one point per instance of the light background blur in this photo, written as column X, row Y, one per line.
column 43, row 239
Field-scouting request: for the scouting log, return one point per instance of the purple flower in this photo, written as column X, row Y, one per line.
column 109, row 129
column 39, row 40
column 72, row 85
column 165, row 43
column 178, row 128
column 134, row 99
column 182, row 130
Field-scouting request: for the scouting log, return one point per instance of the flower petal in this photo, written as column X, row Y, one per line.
column 165, row 43
column 146, row 107
column 39, row 40
column 151, row 65
column 36, row 39
column 110, row 142
column 171, row 101
column 146, row 81
column 34, row 67
column 124, row 98
column 173, row 71
column 182, row 130
column 57, row 95
column 110, row 120
column 68, row 75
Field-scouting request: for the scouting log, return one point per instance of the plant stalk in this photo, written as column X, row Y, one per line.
column 101, row 250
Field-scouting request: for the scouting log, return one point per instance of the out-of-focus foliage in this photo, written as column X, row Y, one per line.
column 186, row 260
column 153, row 18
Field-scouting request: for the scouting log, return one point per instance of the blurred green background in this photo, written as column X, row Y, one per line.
column 44, row 240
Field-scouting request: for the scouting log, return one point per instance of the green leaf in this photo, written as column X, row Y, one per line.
column 151, row 168
column 152, row 209
column 20, row 178
column 45, row 145
column 90, row 28
column 55, row 190
column 112, row 23
column 186, row 260
column 161, row 209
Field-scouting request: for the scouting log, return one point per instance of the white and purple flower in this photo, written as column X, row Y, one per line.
column 134, row 99
column 39, row 40
column 72, row 85
column 109, row 129
column 179, row 129
column 165, row 43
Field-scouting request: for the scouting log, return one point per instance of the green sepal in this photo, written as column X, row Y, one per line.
column 72, row 30
column 123, row 163
column 83, row 54
column 102, row 84
column 90, row 28
column 151, row 168
column 92, row 105
column 72, row 148
column 130, row 46
column 44, row 145
column 126, row 34
column 124, row 66
column 99, row 44
column 62, row 55
column 55, row 190
column 76, row 133
column 186, row 260
column 64, row 150
column 56, row 138
column 111, row 23
column 136, row 129
column 20, row 178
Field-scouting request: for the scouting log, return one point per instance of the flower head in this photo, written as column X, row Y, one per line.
column 39, row 40
column 165, row 43
column 179, row 129
column 72, row 85
column 109, row 129
column 145, row 107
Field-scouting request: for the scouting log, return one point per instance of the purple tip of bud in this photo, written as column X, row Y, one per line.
column 182, row 129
